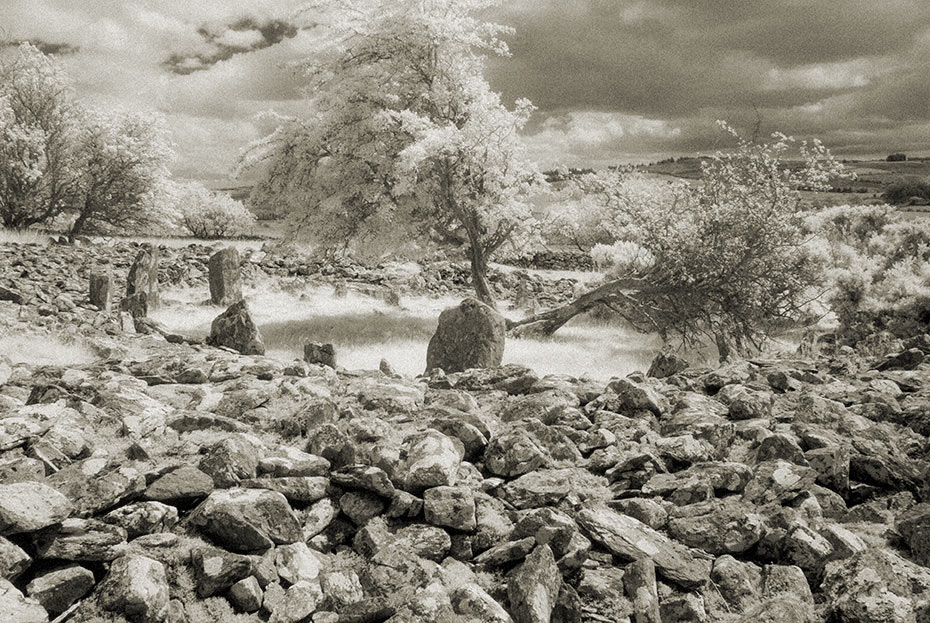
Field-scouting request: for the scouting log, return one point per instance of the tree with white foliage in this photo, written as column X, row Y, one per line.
column 404, row 133
column 207, row 214
column 38, row 122
column 123, row 163
column 725, row 258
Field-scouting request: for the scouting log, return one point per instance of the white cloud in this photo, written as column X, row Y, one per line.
column 828, row 76
column 240, row 38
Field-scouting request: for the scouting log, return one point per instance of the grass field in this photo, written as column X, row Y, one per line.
column 364, row 330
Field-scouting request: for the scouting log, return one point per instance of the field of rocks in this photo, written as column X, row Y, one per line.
column 160, row 477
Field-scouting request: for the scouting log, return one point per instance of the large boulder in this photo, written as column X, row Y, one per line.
column 235, row 329
column 225, row 286
column 143, row 275
column 468, row 336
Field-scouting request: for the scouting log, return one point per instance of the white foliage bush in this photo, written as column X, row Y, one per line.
column 206, row 214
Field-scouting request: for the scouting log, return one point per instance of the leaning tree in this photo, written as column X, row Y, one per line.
column 404, row 136
column 725, row 258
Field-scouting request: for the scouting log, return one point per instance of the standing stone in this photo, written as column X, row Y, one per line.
column 320, row 354
column 468, row 336
column 136, row 305
column 639, row 581
column 101, row 290
column 235, row 329
column 143, row 275
column 225, row 286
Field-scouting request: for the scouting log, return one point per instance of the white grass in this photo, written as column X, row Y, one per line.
column 44, row 351
column 364, row 330
column 23, row 236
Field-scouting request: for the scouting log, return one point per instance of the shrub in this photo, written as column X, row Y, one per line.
column 210, row 215
column 896, row 157
column 903, row 191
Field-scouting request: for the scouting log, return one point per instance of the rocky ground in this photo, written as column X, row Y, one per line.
column 181, row 482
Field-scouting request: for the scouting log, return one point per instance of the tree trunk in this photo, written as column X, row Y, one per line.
column 613, row 293
column 479, row 275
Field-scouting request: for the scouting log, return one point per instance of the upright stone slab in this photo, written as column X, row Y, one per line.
column 225, row 283
column 235, row 329
column 143, row 275
column 320, row 354
column 101, row 290
column 470, row 335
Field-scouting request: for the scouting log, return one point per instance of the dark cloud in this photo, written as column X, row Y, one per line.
column 840, row 69
column 48, row 47
column 222, row 43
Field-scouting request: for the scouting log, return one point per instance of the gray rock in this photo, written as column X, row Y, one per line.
column 17, row 608
column 13, row 560
column 216, row 570
column 81, row 540
column 365, row 478
column 235, row 329
column 298, row 489
column 360, row 506
column 533, row 587
column 450, row 507
column 229, row 461
column 470, row 335
column 224, row 277
column 320, row 354
column 31, row 506
column 101, row 290
column 426, row 541
column 666, row 364
column 137, row 588
column 57, row 590
column 631, row 540
column 739, row 583
column 143, row 518
column 247, row 519
column 474, row 603
column 180, row 485
column 246, row 595
column 298, row 604
column 143, row 275
column 297, row 563
column 636, row 396
column 432, row 461
column 870, row 587
column 639, row 582
column 719, row 526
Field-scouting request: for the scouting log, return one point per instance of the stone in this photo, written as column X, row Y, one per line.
column 450, row 507
column 665, row 365
column 184, row 484
column 780, row 446
column 13, row 560
column 470, row 335
column 645, row 510
column 298, row 604
column 636, row 396
column 136, row 587
column 247, row 519
column 746, row 403
column 230, row 460
column 20, row 469
column 360, row 506
column 639, row 582
column 143, row 518
column 686, row 608
column 293, row 463
column 426, row 541
column 870, row 587
column 533, row 587
column 101, row 290
column 95, row 485
column 832, row 466
column 475, row 604
column 739, row 583
column 143, row 275
column 11, row 295
column 718, row 526
column 914, row 527
column 297, row 563
column 246, row 595
column 786, row 580
column 631, row 540
column 235, row 329
column 365, row 478
column 432, row 461
column 808, row 550
column 16, row 607
column 507, row 552
column 542, row 487
column 81, row 540
column 30, row 506
column 514, row 453
column 342, row 588
column 57, row 590
column 216, row 570
column 320, row 354
column 224, row 277
column 776, row 481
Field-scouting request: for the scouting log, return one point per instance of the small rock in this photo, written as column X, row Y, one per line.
column 320, row 354
column 247, row 519
column 639, row 582
column 246, row 595
column 14, row 606
column 235, row 329
column 30, row 506
column 216, row 570
column 451, row 507
column 533, row 587
column 183, row 484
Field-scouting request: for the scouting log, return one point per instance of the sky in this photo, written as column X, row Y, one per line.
column 613, row 80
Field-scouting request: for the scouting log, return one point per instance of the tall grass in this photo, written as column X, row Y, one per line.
column 364, row 330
